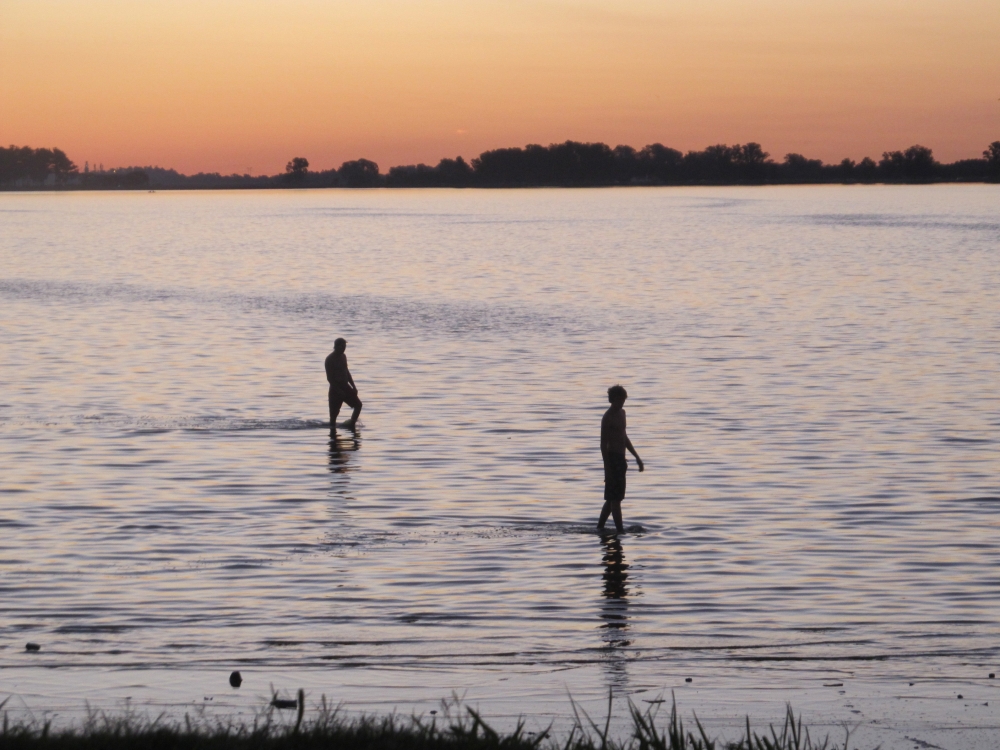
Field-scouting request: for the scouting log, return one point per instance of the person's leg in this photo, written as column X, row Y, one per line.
column 609, row 494
column 353, row 400
column 620, row 467
column 605, row 512
column 335, row 404
column 356, row 414
column 616, row 511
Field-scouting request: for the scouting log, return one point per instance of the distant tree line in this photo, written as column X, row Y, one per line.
column 573, row 164
column 23, row 165
column 569, row 164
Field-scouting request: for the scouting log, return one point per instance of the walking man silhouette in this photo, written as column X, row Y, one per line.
column 342, row 388
column 614, row 441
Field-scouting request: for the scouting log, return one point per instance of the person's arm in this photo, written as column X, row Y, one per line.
column 349, row 378
column 628, row 444
column 605, row 438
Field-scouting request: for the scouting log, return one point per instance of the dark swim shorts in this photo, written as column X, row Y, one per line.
column 615, row 467
column 340, row 396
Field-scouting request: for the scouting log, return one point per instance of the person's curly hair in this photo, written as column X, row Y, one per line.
column 616, row 392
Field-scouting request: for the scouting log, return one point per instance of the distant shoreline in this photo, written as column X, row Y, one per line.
column 563, row 165
column 256, row 188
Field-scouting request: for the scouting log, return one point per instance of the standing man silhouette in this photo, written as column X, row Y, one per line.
column 614, row 441
column 342, row 388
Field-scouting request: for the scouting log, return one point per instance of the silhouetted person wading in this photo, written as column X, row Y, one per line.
column 342, row 388
column 614, row 441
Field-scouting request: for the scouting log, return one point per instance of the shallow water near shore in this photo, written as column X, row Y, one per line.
column 813, row 387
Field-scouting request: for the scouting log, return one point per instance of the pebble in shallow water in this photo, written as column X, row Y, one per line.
column 32, row 647
column 235, row 679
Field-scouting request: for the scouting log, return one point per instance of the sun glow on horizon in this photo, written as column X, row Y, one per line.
column 221, row 85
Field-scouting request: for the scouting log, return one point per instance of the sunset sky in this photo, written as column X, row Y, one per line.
column 238, row 85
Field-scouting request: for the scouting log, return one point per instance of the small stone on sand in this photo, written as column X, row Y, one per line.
column 32, row 647
column 236, row 679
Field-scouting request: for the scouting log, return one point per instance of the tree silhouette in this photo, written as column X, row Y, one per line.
column 657, row 163
column 61, row 166
column 800, row 169
column 296, row 170
column 26, row 164
column 455, row 172
column 916, row 164
column 992, row 156
column 359, row 173
column 448, row 173
column 116, row 179
column 722, row 164
column 867, row 170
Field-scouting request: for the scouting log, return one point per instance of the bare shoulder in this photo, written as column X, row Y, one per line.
column 613, row 419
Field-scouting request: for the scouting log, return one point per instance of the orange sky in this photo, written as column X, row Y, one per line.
column 230, row 85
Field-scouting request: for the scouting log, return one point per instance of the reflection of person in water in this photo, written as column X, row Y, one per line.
column 342, row 388
column 614, row 442
column 614, row 611
column 340, row 451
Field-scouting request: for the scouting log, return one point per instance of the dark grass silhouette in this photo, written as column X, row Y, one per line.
column 460, row 728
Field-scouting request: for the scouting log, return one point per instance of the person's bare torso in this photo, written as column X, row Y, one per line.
column 613, row 435
column 337, row 373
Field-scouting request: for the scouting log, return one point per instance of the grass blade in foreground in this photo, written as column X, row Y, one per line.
column 328, row 728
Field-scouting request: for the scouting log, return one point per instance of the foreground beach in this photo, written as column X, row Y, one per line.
column 887, row 713
column 457, row 727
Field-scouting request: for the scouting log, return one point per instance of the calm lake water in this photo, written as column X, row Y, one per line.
column 813, row 380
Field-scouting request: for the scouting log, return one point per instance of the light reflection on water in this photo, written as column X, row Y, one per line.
column 813, row 388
